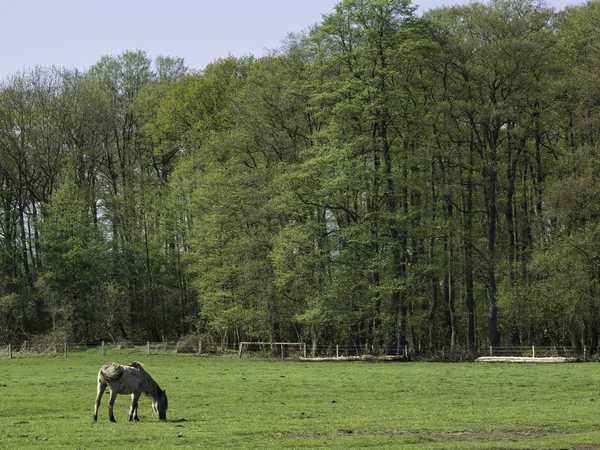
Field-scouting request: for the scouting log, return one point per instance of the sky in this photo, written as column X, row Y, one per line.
column 75, row 34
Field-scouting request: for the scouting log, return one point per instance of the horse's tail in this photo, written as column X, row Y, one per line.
column 110, row 372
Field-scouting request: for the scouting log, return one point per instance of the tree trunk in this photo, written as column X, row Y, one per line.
column 491, row 288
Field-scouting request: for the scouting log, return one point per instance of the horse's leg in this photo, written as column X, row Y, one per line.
column 111, row 403
column 133, row 411
column 101, row 387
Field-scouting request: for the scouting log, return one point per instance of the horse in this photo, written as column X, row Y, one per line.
column 129, row 379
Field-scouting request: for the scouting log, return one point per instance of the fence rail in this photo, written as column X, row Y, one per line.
column 291, row 350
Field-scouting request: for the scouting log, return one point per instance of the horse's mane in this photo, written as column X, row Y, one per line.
column 149, row 380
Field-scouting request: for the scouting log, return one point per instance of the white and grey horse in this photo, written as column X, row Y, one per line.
column 132, row 379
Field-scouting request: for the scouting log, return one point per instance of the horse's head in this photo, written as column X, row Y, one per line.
column 160, row 404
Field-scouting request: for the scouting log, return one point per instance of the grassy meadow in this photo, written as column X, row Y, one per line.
column 47, row 402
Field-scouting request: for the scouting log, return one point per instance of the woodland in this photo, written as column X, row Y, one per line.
column 385, row 179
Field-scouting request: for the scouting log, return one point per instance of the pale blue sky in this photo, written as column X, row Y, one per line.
column 76, row 33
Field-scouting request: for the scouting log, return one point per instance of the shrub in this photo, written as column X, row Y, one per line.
column 188, row 344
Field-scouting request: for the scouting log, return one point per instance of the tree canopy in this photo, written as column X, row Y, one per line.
column 386, row 179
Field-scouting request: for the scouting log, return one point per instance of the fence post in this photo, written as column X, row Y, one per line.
column 305, row 349
column 337, row 351
column 9, row 351
column 282, row 354
column 148, row 347
column 103, row 349
column 241, row 348
column 406, row 351
column 533, row 350
column 199, row 347
column 65, row 348
column 491, row 351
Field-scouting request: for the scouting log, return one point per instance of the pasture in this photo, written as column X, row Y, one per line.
column 47, row 402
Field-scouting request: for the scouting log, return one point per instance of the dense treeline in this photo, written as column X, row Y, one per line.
column 385, row 179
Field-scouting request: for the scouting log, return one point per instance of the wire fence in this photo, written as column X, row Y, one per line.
column 64, row 348
column 287, row 350
column 535, row 351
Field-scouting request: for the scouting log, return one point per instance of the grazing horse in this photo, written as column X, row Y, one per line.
column 134, row 380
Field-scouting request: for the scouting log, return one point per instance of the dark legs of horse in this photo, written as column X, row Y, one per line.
column 101, row 389
column 111, row 403
column 133, row 411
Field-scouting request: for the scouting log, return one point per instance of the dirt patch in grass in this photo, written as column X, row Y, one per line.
column 490, row 434
column 446, row 436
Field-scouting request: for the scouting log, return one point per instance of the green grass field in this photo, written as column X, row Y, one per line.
column 47, row 402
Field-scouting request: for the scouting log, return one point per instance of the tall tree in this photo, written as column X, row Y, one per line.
column 75, row 262
column 492, row 77
column 362, row 61
column 31, row 154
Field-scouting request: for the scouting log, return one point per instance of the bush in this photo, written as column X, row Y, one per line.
column 123, row 345
column 188, row 344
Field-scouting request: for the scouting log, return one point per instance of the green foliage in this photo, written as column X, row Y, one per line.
column 75, row 261
column 383, row 180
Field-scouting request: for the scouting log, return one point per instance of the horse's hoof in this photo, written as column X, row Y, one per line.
column 113, row 420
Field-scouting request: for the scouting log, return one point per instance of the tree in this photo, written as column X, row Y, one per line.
column 362, row 154
column 564, row 273
column 261, row 131
column 74, row 273
column 31, row 154
column 492, row 77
